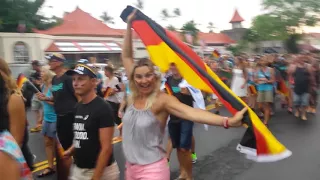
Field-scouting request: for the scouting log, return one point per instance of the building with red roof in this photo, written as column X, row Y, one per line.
column 80, row 35
column 237, row 31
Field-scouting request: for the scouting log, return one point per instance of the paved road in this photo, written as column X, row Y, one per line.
column 218, row 159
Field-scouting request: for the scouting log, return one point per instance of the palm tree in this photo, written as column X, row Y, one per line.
column 171, row 28
column 191, row 28
column 165, row 15
column 177, row 12
column 139, row 4
column 106, row 18
column 211, row 27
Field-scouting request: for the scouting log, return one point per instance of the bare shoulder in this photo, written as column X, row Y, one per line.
column 162, row 100
column 15, row 99
column 15, row 103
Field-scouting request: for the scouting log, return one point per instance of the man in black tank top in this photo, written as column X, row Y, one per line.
column 181, row 130
column 302, row 81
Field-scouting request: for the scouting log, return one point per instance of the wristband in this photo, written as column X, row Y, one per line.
column 226, row 122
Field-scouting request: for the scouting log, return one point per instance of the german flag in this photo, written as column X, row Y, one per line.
column 216, row 53
column 164, row 48
column 282, row 88
column 252, row 90
column 107, row 92
column 168, row 88
column 21, row 80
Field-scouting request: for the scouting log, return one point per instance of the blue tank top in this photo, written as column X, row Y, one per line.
column 250, row 76
column 266, row 86
column 49, row 114
column 126, row 83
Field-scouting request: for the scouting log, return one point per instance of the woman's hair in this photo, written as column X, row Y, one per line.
column 7, row 87
column 10, row 83
column 134, row 91
column 47, row 75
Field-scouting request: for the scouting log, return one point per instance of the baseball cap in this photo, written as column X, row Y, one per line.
column 82, row 69
column 56, row 56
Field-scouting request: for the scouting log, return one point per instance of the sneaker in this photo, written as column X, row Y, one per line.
column 194, row 157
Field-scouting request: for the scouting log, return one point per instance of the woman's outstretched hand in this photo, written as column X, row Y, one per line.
column 235, row 121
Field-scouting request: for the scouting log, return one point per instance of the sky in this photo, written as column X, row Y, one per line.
column 219, row 12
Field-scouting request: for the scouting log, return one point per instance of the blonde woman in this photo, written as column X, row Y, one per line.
column 146, row 117
column 49, row 121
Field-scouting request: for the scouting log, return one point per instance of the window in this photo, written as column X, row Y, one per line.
column 21, row 53
column 141, row 48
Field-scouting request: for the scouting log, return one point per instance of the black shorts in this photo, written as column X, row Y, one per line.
column 181, row 134
column 115, row 108
column 65, row 129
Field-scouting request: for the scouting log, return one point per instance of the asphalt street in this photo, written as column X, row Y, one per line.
column 219, row 160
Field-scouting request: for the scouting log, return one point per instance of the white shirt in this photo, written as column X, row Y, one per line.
column 111, row 83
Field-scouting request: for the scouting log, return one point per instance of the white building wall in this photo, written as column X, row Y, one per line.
column 38, row 43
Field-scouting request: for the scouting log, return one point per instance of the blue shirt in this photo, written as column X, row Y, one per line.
column 265, row 86
column 49, row 114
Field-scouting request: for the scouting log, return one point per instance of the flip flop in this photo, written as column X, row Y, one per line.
column 48, row 173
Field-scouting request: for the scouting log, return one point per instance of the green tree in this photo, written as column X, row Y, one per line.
column 190, row 27
column 268, row 27
column 210, row 27
column 291, row 43
column 171, row 28
column 106, row 18
column 284, row 19
column 12, row 12
column 177, row 12
column 294, row 13
column 165, row 16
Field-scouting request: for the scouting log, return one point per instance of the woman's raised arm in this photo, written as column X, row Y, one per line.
column 127, row 52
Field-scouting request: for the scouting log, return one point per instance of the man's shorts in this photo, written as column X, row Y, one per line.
column 265, row 96
column 109, row 173
column 301, row 100
column 49, row 129
column 36, row 104
column 181, row 134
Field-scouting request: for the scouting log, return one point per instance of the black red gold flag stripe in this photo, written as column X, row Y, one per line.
column 165, row 48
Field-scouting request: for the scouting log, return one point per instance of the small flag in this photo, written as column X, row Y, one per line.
column 107, row 92
column 168, row 88
column 216, row 53
column 21, row 80
column 252, row 89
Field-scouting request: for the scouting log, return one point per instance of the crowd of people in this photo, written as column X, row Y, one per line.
column 77, row 111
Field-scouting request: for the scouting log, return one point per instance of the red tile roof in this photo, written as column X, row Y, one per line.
column 209, row 38
column 215, row 38
column 80, row 23
column 236, row 17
